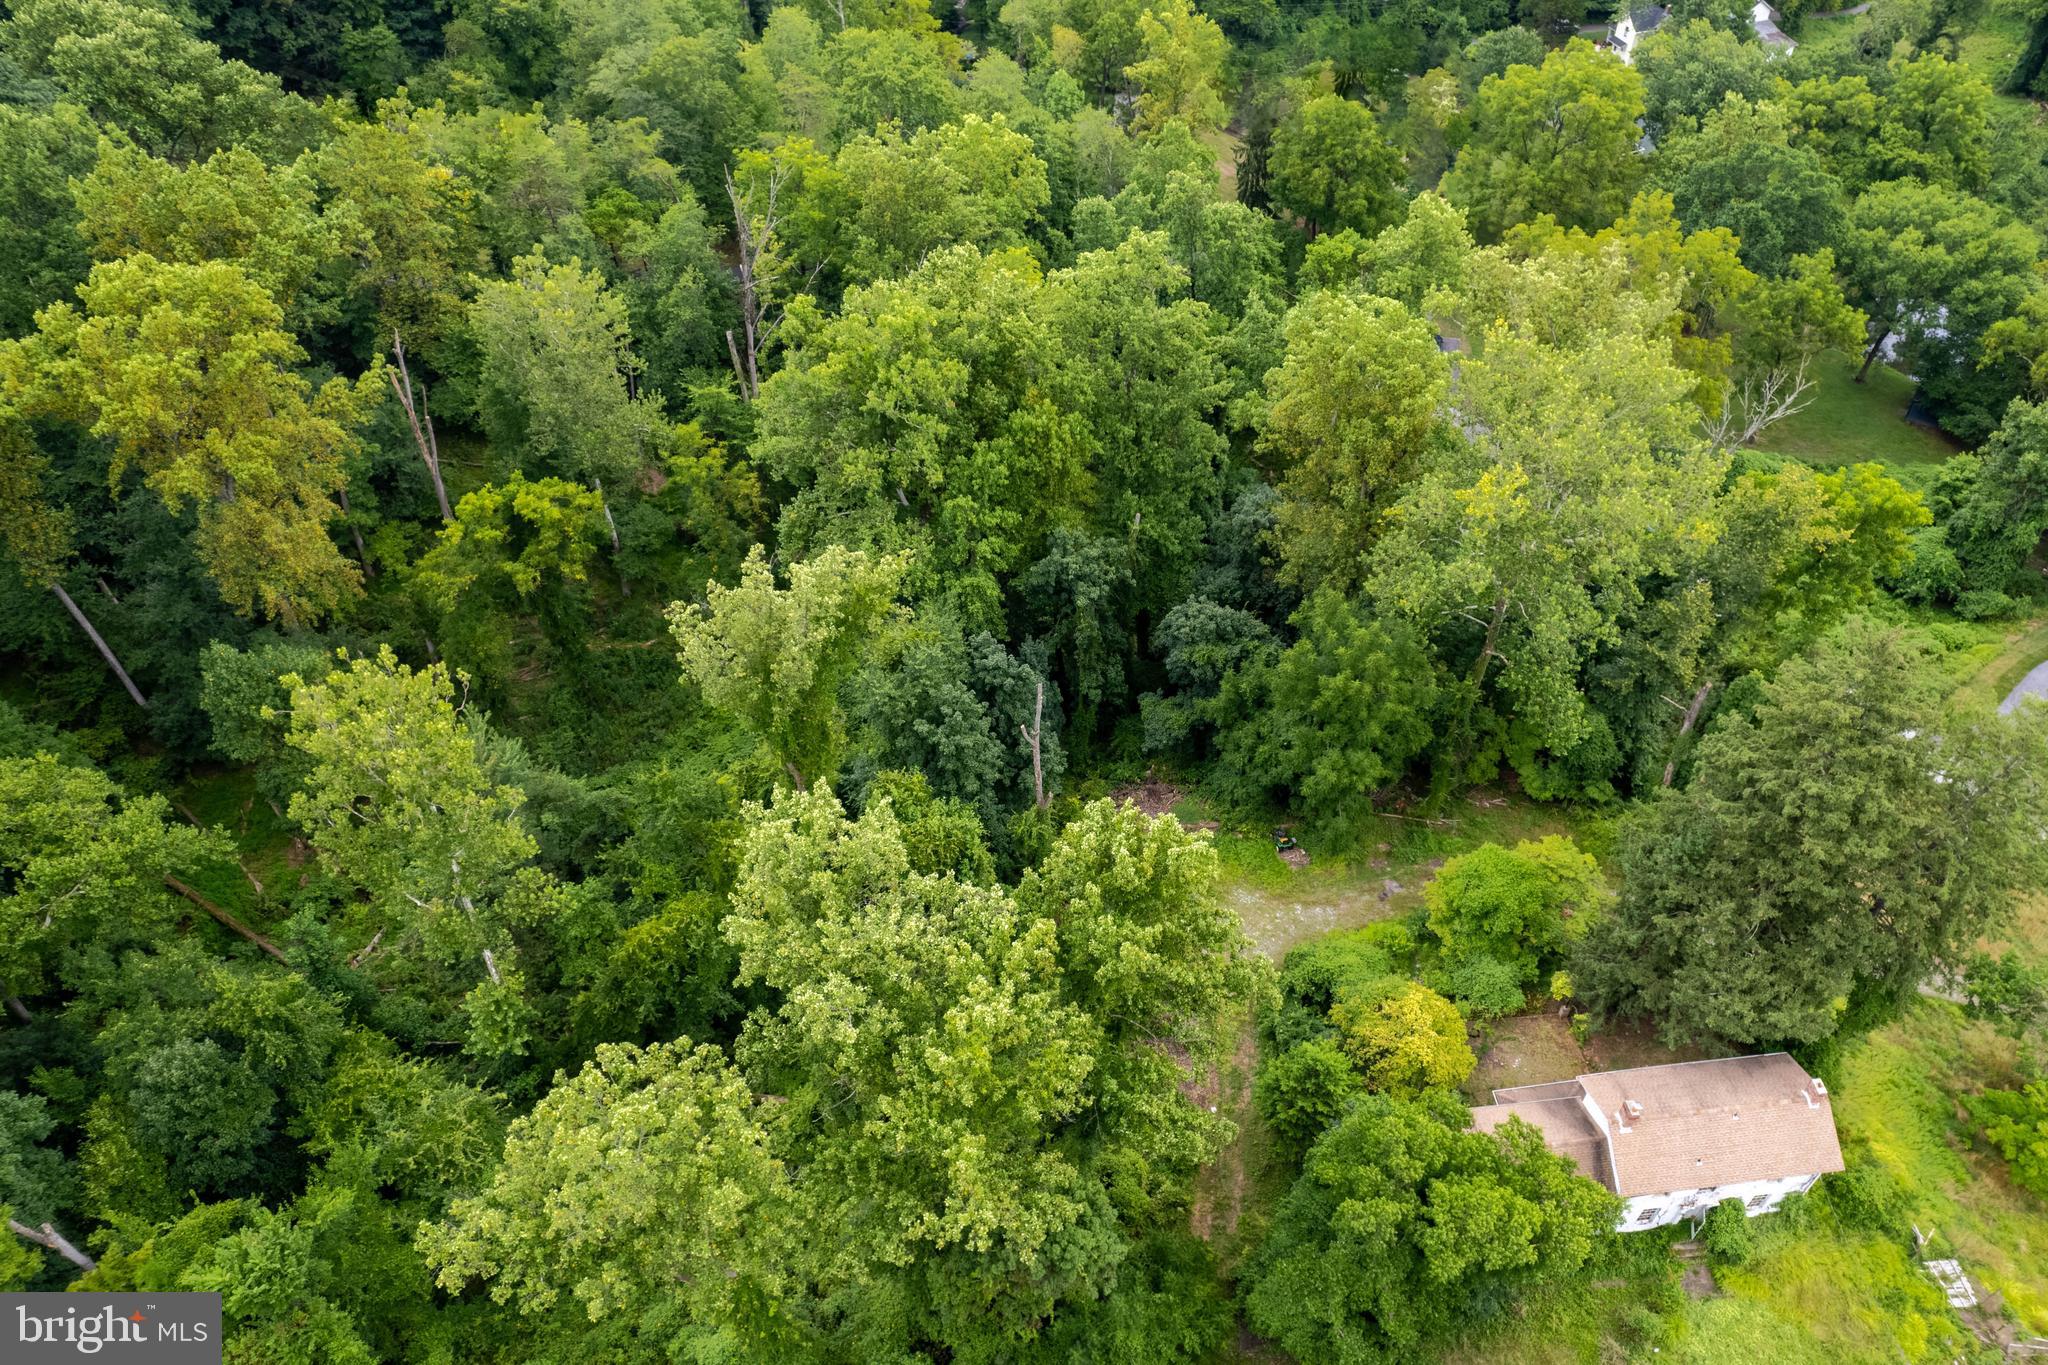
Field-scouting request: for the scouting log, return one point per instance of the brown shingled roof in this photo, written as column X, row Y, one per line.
column 1698, row 1125
column 1715, row 1123
column 1567, row 1129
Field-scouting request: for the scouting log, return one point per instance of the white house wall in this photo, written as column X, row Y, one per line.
column 1680, row 1205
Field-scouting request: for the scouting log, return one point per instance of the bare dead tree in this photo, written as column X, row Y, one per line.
column 55, row 1241
column 761, row 270
column 106, row 651
column 358, row 958
column 422, row 423
column 1692, row 715
column 1759, row 401
column 1033, row 737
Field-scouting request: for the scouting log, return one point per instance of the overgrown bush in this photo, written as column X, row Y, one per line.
column 1303, row 1091
column 1727, row 1235
column 1313, row 977
column 2016, row 1123
column 1483, row 987
column 1867, row 1196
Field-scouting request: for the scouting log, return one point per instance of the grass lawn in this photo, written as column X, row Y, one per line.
column 1849, row 422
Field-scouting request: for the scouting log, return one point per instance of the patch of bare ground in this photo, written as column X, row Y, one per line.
column 1530, row 1049
column 1277, row 920
column 1526, row 1049
column 1153, row 796
column 1622, row 1044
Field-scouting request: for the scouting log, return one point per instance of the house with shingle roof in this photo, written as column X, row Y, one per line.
column 1673, row 1141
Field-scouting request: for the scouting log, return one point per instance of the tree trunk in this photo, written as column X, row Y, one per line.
column 134, row 692
column 1870, row 355
column 362, row 555
column 422, row 435
column 101, row 579
column 369, row 948
column 598, row 488
column 795, row 776
column 55, row 1241
column 1487, row 652
column 1032, row 737
column 1692, row 713
column 19, row 1010
column 227, row 920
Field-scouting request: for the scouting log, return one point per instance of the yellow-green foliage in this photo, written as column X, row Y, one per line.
column 1733, row 1331
column 1859, row 1297
column 1895, row 1104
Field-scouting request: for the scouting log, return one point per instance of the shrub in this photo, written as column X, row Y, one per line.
column 1867, row 1196
column 2016, row 1123
column 1727, row 1235
column 1405, row 1042
column 1314, row 976
column 1485, row 988
column 1303, row 1091
column 1640, row 1326
column 2005, row 990
column 1510, row 904
column 1984, row 604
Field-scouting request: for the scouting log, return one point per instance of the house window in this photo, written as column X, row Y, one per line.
column 1757, row 1201
column 1648, row 1215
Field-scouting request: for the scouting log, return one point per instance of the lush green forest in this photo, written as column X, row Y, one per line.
column 858, row 682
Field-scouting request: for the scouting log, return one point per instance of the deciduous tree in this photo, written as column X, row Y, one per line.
column 188, row 374
column 775, row 657
column 1403, row 1222
column 1557, row 139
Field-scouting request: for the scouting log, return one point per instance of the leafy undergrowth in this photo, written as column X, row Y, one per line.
column 1834, row 1295
column 1896, row 1107
column 2023, row 645
column 228, row 800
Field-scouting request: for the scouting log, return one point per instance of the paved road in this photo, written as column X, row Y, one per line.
column 2035, row 684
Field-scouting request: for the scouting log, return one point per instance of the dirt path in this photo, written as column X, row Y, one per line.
column 1219, row 1196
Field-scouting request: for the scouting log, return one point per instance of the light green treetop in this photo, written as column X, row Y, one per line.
column 775, row 657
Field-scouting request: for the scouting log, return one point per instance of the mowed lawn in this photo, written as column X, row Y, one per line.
column 1847, row 422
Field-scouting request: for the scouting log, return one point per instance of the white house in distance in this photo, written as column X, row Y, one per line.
column 1634, row 23
column 1673, row 1141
